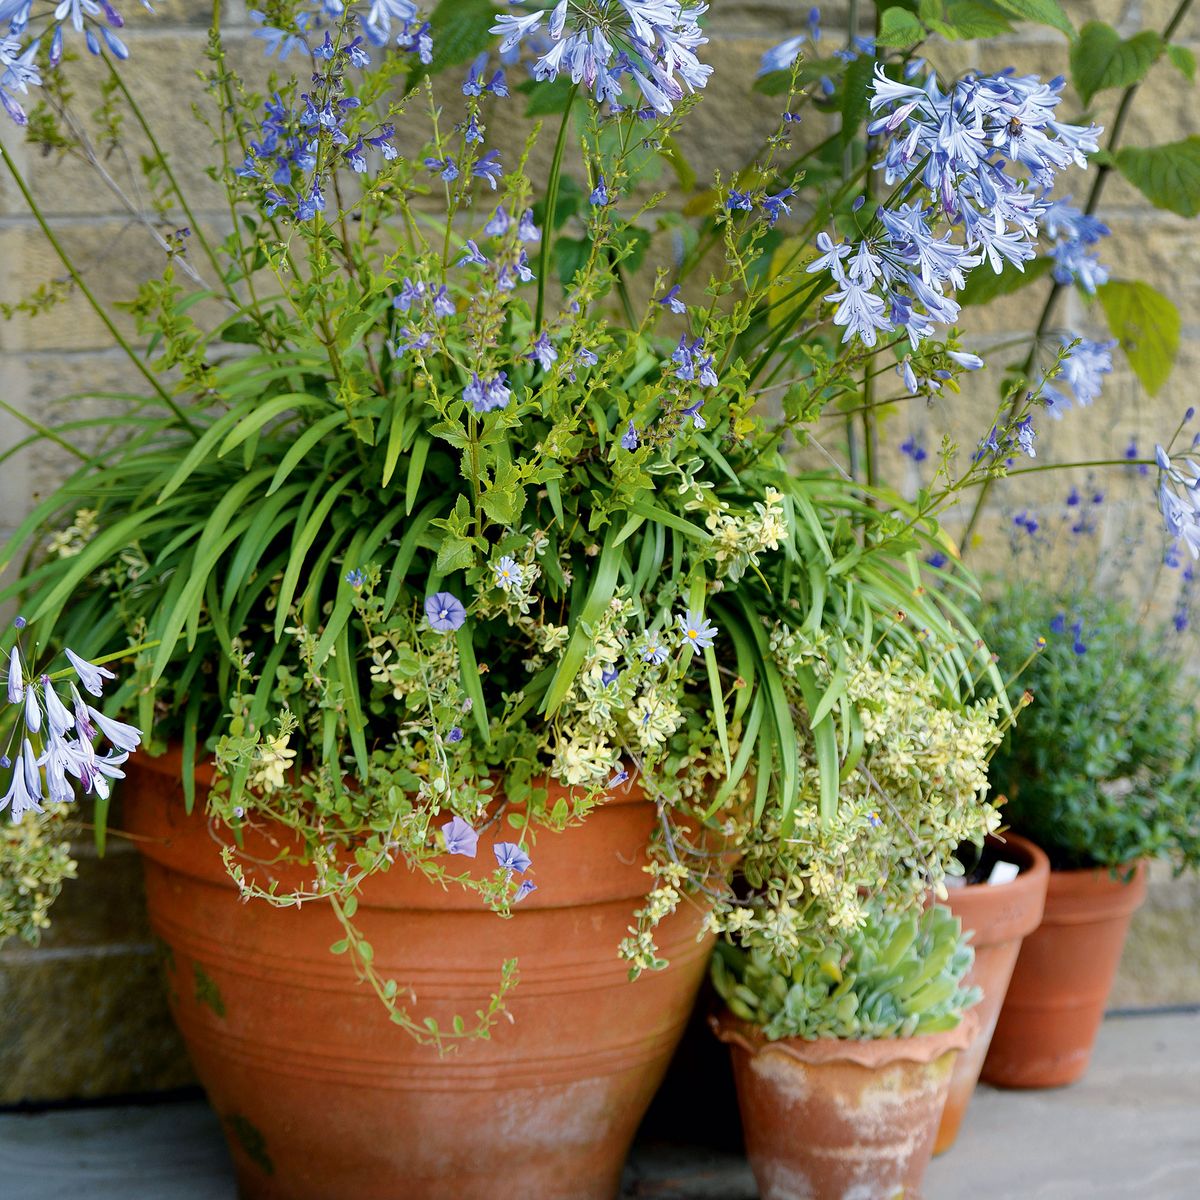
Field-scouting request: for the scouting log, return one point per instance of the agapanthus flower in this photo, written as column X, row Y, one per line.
column 383, row 12
column 696, row 630
column 25, row 788
column 90, row 675
column 445, row 612
column 460, row 837
column 653, row 42
column 510, row 856
column 1075, row 233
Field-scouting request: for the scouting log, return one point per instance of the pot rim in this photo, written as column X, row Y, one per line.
column 1003, row 912
column 871, row 1053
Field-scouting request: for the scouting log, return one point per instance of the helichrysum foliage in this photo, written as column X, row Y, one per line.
column 897, row 975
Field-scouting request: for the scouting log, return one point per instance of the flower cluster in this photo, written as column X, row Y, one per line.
column 1179, row 498
column 1082, row 368
column 51, row 743
column 652, row 42
column 1074, row 234
column 972, row 165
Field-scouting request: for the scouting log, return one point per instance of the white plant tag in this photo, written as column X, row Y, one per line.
column 1004, row 872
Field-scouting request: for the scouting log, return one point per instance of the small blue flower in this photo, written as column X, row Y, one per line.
column 455, row 735
column 498, row 225
column 527, row 231
column 527, row 886
column 356, row 578
column 510, row 856
column 460, row 838
column 740, row 201
column 629, row 439
column 445, row 612
column 609, row 675
column 672, row 300
column 618, row 778
column 694, row 412
column 696, row 630
column 447, row 168
column 508, row 573
column 489, row 168
column 544, row 352
column 873, row 820
column 914, row 450
column 599, row 196
column 472, row 254
column 654, row 651
column 776, row 206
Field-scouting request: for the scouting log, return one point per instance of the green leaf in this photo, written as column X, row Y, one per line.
column 460, row 31
column 465, row 640
column 1102, row 59
column 856, row 96
column 1168, row 175
column 1041, row 12
column 970, row 19
column 545, row 97
column 984, row 285
column 899, row 28
column 1146, row 324
column 570, row 257
column 1183, row 60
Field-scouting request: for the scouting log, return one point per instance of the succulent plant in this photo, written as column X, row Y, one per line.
column 897, row 975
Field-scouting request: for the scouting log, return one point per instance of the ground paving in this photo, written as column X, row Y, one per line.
column 1129, row 1131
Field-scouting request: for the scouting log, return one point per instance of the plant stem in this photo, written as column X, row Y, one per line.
column 1093, row 202
column 552, row 205
column 163, row 162
column 87, row 293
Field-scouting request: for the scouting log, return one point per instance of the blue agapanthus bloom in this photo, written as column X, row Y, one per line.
column 1082, row 370
column 652, row 43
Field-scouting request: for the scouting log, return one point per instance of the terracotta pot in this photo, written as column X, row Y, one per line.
column 1065, row 970
column 323, row 1098
column 841, row 1120
column 998, row 916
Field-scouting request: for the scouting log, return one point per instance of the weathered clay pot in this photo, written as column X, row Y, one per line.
column 841, row 1120
column 1065, row 970
column 998, row 916
column 323, row 1098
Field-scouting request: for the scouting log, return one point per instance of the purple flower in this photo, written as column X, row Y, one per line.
column 356, row 578
column 776, row 206
column 489, row 168
column 527, row 231
column 447, row 168
column 740, row 201
column 544, row 352
column 472, row 254
column 498, row 225
column 694, row 412
column 629, row 439
column 510, row 856
column 483, row 396
column 445, row 612
column 455, row 735
column 672, row 300
column 696, row 629
column 618, row 778
column 527, row 886
column 125, row 737
column 599, row 196
column 914, row 450
column 609, row 675
column 460, row 838
column 16, row 683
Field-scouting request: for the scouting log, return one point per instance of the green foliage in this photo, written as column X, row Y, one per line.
column 1041, row 12
column 897, row 975
column 35, row 860
column 1183, row 60
column 1102, row 768
column 985, row 286
column 899, row 27
column 1147, row 325
column 1167, row 175
column 1101, row 58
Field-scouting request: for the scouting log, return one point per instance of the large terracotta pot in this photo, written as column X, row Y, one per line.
column 998, row 916
column 841, row 1120
column 322, row 1098
column 1065, row 970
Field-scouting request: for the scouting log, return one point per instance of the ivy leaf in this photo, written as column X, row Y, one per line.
column 1183, row 60
column 1167, row 175
column 1146, row 324
column 985, row 285
column 1101, row 58
column 1041, row 12
column 899, row 28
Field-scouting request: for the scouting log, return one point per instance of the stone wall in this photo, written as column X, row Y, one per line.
column 92, row 982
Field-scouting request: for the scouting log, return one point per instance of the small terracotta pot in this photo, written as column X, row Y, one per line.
column 837, row 1119
column 998, row 916
column 322, row 1097
column 1065, row 970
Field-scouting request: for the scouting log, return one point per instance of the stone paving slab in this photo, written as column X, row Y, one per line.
column 1130, row 1129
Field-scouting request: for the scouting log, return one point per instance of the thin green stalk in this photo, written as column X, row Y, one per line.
column 552, row 205
column 164, row 162
column 87, row 293
column 1093, row 201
